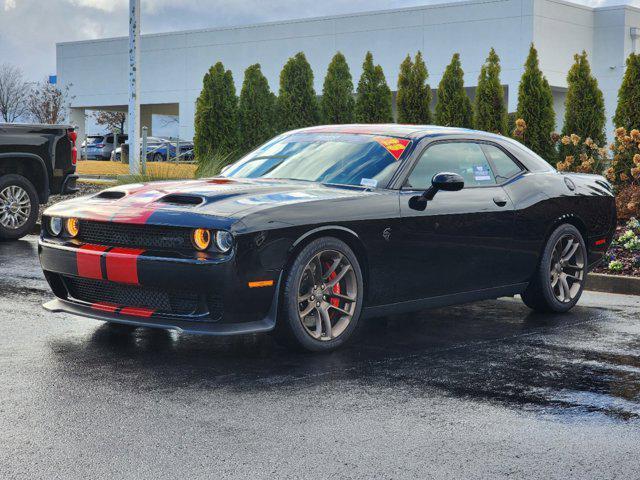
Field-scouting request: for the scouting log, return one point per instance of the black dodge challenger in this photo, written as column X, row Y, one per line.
column 320, row 228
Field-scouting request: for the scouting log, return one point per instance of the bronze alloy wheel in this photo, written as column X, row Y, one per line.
column 327, row 295
column 567, row 268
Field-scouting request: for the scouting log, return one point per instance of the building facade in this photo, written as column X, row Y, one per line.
column 173, row 64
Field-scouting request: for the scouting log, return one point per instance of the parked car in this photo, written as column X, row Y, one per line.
column 99, row 147
column 157, row 149
column 323, row 227
column 35, row 162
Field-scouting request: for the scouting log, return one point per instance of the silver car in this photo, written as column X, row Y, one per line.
column 99, row 147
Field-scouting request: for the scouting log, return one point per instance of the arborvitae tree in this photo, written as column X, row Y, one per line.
column 584, row 105
column 453, row 108
column 628, row 110
column 337, row 103
column 216, row 118
column 373, row 104
column 256, row 109
column 490, row 112
column 297, row 105
column 535, row 107
column 414, row 93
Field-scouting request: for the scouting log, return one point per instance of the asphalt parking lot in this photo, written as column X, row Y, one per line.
column 486, row 390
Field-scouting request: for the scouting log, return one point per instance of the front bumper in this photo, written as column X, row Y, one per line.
column 168, row 323
column 193, row 293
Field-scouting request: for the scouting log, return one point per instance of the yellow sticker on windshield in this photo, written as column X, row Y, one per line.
column 395, row 146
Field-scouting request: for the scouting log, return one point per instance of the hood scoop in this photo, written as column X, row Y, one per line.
column 181, row 199
column 111, row 194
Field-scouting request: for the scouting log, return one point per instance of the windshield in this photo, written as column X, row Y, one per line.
column 345, row 159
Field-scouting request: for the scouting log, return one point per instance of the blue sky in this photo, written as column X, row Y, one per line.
column 29, row 29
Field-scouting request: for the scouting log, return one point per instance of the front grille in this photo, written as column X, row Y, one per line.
column 93, row 291
column 128, row 235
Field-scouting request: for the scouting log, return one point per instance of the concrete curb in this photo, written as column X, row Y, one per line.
column 621, row 284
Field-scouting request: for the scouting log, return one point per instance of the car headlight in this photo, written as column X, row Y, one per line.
column 73, row 227
column 223, row 240
column 201, row 238
column 55, row 226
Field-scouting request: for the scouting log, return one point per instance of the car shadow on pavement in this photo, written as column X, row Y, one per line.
column 585, row 361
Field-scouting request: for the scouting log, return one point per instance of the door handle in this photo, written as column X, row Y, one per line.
column 500, row 201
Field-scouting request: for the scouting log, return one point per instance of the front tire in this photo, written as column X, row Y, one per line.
column 158, row 157
column 322, row 297
column 18, row 207
column 559, row 280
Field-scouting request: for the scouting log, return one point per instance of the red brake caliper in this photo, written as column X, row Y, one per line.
column 336, row 289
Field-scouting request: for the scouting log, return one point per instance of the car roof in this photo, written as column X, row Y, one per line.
column 397, row 130
column 417, row 132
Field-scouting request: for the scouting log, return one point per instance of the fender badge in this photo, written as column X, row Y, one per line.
column 386, row 233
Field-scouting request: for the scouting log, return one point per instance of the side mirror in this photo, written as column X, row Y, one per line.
column 447, row 181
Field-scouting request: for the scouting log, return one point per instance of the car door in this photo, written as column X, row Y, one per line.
column 461, row 241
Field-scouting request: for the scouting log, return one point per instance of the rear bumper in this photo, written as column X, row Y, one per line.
column 198, row 294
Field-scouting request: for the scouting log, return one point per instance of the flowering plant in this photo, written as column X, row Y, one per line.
column 580, row 156
column 625, row 166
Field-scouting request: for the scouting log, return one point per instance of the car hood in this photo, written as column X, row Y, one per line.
column 214, row 202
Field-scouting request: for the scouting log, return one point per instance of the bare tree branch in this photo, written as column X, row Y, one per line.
column 14, row 91
column 111, row 120
column 47, row 103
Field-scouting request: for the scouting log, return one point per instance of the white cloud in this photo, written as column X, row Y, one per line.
column 29, row 29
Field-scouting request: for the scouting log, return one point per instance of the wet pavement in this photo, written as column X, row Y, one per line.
column 487, row 390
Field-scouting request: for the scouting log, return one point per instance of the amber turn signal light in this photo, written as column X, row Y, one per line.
column 201, row 238
column 73, row 227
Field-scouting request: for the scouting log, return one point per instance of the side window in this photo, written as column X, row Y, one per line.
column 505, row 167
column 464, row 158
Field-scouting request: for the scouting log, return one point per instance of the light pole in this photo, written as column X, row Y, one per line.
column 134, row 87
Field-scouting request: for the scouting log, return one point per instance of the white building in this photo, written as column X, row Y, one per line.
column 173, row 64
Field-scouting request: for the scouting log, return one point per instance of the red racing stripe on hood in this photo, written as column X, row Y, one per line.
column 122, row 265
column 88, row 261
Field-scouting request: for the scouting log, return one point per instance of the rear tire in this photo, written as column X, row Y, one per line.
column 158, row 157
column 559, row 280
column 18, row 207
column 322, row 297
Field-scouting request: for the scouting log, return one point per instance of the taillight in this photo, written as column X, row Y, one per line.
column 73, row 136
column 100, row 145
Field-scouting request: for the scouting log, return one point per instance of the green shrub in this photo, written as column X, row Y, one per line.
column 453, row 107
column 337, row 103
column 628, row 110
column 490, row 111
column 297, row 105
column 535, row 107
column 216, row 118
column 584, row 105
column 374, row 100
column 256, row 111
column 414, row 93
column 213, row 162
column 615, row 266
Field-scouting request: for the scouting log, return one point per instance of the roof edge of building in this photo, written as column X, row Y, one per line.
column 309, row 19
